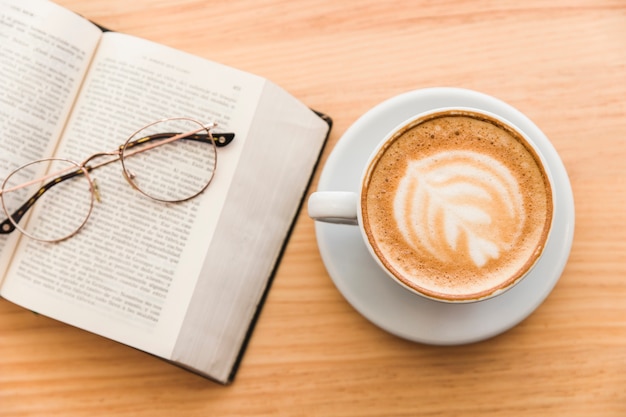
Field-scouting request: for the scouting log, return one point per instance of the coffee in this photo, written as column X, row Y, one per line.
column 457, row 205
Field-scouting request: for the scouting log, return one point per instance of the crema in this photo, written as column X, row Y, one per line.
column 457, row 205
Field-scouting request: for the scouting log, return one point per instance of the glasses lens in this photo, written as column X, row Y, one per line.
column 171, row 160
column 51, row 209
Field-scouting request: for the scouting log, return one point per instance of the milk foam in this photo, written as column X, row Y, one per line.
column 459, row 206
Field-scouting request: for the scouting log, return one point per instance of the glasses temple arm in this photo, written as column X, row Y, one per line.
column 220, row 139
column 7, row 226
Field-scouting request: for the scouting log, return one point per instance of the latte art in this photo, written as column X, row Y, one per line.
column 456, row 205
column 459, row 206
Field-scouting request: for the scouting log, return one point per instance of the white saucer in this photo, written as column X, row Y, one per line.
column 385, row 303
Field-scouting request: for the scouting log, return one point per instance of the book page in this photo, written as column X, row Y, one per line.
column 284, row 144
column 130, row 273
column 44, row 53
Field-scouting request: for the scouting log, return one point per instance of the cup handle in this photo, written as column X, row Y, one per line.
column 339, row 207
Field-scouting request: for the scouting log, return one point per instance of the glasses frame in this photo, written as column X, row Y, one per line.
column 120, row 154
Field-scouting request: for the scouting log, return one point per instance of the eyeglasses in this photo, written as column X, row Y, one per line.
column 171, row 161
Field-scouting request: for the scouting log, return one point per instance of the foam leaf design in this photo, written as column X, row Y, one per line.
column 459, row 206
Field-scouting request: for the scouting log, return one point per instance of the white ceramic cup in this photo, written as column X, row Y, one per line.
column 346, row 207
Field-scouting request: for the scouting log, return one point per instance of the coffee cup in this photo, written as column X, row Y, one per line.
column 454, row 204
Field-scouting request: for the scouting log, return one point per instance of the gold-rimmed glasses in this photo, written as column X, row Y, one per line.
column 171, row 160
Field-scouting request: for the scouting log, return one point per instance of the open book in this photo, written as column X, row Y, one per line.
column 183, row 282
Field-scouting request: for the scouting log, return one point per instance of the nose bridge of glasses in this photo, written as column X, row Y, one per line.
column 113, row 157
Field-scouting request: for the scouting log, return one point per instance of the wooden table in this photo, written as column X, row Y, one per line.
column 562, row 62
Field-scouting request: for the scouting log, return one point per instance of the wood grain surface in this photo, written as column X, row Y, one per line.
column 562, row 63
